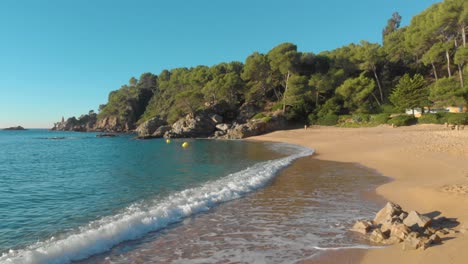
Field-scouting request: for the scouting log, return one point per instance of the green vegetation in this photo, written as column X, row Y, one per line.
column 457, row 119
column 259, row 116
column 431, row 119
column 422, row 64
column 402, row 120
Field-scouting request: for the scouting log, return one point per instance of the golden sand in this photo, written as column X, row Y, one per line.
column 429, row 165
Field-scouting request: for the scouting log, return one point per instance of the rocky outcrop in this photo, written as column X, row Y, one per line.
column 415, row 219
column 84, row 123
column 112, row 124
column 223, row 127
column 362, row 226
column 247, row 111
column 161, row 131
column 198, row 126
column 148, row 128
column 15, row 128
column 412, row 230
column 204, row 124
column 256, row 127
column 219, row 120
column 91, row 123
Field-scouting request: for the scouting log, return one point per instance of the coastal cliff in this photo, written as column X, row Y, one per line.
column 219, row 120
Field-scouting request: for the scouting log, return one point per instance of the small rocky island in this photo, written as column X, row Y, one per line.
column 15, row 128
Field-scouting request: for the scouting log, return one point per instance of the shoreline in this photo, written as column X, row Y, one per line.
column 428, row 168
column 266, row 224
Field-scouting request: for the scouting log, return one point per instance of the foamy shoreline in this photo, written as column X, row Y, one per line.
column 430, row 170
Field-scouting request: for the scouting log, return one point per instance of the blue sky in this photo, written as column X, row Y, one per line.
column 62, row 57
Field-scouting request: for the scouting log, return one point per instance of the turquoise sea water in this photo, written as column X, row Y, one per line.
column 65, row 196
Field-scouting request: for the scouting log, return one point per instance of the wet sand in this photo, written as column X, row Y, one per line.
column 429, row 168
column 305, row 211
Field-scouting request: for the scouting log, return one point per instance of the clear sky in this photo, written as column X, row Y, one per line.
column 62, row 57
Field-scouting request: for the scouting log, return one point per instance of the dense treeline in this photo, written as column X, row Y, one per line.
column 423, row 64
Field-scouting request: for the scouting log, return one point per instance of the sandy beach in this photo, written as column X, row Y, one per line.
column 429, row 168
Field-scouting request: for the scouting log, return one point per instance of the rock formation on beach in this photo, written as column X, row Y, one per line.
column 393, row 225
column 15, row 128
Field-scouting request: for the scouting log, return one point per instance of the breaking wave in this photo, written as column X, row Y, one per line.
column 138, row 219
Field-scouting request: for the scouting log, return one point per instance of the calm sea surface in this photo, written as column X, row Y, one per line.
column 68, row 197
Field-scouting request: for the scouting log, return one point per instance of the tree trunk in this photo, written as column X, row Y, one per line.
column 460, row 68
column 464, row 35
column 316, row 98
column 277, row 94
column 378, row 83
column 435, row 70
column 460, row 73
column 448, row 63
column 285, row 91
column 376, row 99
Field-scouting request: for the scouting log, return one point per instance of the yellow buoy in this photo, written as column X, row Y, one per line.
column 185, row 144
column 168, row 141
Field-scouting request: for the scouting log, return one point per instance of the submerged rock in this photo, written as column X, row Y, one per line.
column 106, row 135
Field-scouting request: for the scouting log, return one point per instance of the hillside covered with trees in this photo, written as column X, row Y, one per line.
column 422, row 64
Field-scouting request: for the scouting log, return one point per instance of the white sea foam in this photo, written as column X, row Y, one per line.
column 347, row 247
column 137, row 220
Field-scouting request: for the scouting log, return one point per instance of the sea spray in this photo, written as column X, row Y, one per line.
column 139, row 219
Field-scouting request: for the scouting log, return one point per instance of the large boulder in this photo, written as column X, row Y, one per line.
column 198, row 126
column 414, row 219
column 377, row 236
column 387, row 213
column 146, row 129
column 217, row 119
column 400, row 231
column 256, row 127
column 160, row 131
column 223, row 127
column 412, row 242
column 362, row 226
